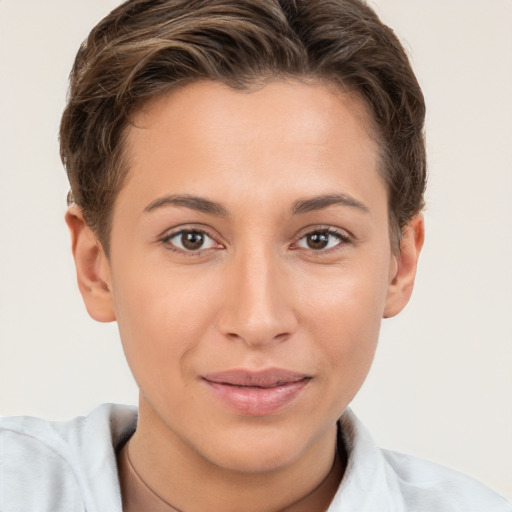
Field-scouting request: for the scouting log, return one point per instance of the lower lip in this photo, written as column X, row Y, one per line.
column 254, row 401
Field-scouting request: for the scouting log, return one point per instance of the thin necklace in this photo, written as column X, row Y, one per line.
column 171, row 507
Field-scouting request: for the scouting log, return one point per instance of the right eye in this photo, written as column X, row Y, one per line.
column 190, row 240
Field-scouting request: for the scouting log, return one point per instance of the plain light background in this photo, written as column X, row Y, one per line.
column 441, row 385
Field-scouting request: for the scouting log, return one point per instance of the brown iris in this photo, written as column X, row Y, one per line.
column 192, row 240
column 317, row 240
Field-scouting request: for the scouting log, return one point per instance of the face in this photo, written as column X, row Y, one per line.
column 250, row 266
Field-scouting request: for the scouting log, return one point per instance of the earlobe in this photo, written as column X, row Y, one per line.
column 402, row 281
column 92, row 268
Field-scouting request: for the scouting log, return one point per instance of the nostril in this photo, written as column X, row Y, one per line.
column 254, row 339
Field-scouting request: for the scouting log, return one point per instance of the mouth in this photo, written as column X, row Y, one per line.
column 256, row 393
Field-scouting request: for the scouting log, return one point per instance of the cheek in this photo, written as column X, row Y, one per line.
column 161, row 320
column 343, row 315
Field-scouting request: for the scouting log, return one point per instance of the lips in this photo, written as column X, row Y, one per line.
column 262, row 379
column 256, row 393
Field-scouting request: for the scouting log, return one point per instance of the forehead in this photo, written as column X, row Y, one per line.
column 286, row 134
column 312, row 105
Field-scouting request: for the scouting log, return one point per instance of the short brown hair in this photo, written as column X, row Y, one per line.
column 144, row 47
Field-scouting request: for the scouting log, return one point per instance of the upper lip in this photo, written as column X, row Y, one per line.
column 263, row 378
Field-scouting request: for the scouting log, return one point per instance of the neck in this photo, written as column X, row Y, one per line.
column 184, row 478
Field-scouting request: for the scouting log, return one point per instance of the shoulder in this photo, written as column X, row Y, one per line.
column 425, row 485
column 388, row 481
column 55, row 466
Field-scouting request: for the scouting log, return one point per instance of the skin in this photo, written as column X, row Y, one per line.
column 258, row 294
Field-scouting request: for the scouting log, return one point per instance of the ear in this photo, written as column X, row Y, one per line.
column 92, row 268
column 405, row 264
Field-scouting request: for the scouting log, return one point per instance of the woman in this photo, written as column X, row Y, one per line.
column 247, row 183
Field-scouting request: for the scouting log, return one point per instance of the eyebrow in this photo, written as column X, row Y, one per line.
column 193, row 202
column 322, row 202
column 214, row 208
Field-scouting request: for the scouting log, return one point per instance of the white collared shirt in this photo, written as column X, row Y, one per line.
column 71, row 467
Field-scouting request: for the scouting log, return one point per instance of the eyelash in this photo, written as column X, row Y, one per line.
column 166, row 240
column 343, row 239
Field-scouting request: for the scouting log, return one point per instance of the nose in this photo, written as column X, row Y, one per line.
column 257, row 304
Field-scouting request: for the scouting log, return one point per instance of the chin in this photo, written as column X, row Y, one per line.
column 256, row 450
column 262, row 461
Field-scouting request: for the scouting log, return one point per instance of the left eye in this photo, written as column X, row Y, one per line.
column 190, row 240
column 320, row 240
